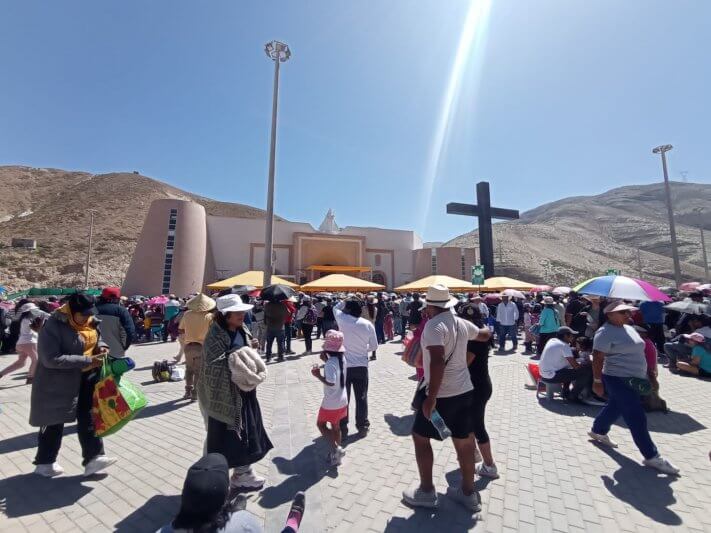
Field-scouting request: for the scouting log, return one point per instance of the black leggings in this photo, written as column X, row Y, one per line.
column 307, row 330
column 482, row 393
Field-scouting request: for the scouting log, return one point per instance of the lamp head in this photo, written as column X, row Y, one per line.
column 661, row 149
column 277, row 51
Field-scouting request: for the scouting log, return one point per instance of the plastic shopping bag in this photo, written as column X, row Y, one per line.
column 116, row 401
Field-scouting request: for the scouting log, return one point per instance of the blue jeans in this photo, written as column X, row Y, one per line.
column 379, row 331
column 622, row 400
column 509, row 331
column 277, row 334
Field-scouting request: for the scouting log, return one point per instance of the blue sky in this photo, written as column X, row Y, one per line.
column 550, row 98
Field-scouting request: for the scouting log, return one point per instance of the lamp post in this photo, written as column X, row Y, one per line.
column 88, row 250
column 699, row 210
column 670, row 210
column 279, row 53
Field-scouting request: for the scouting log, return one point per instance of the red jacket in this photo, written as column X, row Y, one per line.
column 292, row 311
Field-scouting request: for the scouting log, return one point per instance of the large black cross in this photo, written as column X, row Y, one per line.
column 485, row 212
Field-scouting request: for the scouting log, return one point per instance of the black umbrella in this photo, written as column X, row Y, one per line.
column 237, row 289
column 277, row 293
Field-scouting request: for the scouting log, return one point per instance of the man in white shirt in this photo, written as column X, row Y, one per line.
column 558, row 365
column 507, row 317
column 448, row 395
column 358, row 339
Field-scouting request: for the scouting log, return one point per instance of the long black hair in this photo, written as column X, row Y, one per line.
column 339, row 356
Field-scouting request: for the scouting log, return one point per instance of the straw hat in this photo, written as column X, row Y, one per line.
column 201, row 303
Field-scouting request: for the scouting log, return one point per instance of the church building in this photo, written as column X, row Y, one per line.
column 181, row 249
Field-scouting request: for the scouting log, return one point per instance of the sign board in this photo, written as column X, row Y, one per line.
column 477, row 275
column 613, row 272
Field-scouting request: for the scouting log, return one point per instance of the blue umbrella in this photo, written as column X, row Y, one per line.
column 2, row 289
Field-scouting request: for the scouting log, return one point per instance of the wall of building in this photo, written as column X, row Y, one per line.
column 169, row 260
column 448, row 262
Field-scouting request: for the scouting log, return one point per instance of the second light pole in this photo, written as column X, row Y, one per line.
column 279, row 53
column 670, row 209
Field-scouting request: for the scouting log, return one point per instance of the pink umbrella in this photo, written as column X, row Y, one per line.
column 492, row 299
column 689, row 286
column 158, row 300
column 542, row 288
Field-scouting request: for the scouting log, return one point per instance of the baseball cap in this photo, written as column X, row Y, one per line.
column 111, row 293
column 696, row 337
column 82, row 303
column 565, row 330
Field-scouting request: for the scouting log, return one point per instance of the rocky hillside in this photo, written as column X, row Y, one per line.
column 52, row 206
column 572, row 239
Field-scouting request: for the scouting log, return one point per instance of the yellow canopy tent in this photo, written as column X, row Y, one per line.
column 252, row 277
column 500, row 283
column 340, row 283
column 423, row 284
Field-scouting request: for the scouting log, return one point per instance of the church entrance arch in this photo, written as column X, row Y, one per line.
column 380, row 278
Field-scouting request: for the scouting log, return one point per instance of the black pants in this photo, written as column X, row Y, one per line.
column 319, row 327
column 656, row 334
column 357, row 378
column 49, row 439
column 307, row 330
column 581, row 377
column 482, row 393
column 327, row 325
column 543, row 338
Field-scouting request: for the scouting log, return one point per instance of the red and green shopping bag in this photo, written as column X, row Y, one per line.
column 116, row 401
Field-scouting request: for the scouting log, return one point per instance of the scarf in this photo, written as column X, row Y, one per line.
column 86, row 331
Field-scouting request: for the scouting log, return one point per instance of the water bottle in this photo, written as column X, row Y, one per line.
column 438, row 423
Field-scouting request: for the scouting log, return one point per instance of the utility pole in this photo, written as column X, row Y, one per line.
column 703, row 252
column 639, row 263
column 88, row 250
column 279, row 53
column 670, row 211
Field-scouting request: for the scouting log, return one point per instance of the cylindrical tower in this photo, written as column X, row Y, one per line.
column 171, row 251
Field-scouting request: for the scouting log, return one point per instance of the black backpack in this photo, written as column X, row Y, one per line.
column 161, row 370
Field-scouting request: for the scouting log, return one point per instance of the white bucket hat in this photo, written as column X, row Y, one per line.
column 29, row 306
column 438, row 296
column 232, row 303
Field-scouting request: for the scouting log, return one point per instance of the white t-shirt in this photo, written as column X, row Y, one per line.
column 440, row 331
column 554, row 357
column 27, row 334
column 334, row 397
column 359, row 337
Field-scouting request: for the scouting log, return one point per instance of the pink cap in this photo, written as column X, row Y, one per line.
column 696, row 337
column 333, row 341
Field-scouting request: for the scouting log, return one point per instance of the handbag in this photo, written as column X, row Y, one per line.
column 421, row 390
column 115, row 402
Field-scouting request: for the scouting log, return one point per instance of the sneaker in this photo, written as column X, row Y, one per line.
column 662, row 465
column 602, row 439
column 419, row 498
column 341, row 452
column 477, row 456
column 247, row 481
column 592, row 401
column 472, row 502
column 50, row 470
column 334, row 458
column 97, row 464
column 296, row 513
column 487, row 471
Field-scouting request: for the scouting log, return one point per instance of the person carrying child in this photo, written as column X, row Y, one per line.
column 334, row 406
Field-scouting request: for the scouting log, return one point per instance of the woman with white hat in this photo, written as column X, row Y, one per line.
column 620, row 371
column 31, row 320
column 230, row 373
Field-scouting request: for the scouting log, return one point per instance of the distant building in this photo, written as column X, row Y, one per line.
column 181, row 249
column 29, row 244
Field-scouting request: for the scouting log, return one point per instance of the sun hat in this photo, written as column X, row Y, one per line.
column 205, row 490
column 232, row 303
column 333, row 341
column 201, row 303
column 696, row 337
column 438, row 296
column 616, row 307
column 548, row 300
column 29, row 306
column 111, row 293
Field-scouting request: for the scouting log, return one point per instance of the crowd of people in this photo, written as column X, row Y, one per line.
column 602, row 352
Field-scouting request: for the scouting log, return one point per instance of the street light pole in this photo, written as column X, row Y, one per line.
column 88, row 250
column 670, row 210
column 279, row 53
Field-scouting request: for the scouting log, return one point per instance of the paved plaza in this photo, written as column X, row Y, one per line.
column 552, row 478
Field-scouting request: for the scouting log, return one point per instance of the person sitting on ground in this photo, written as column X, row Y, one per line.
column 334, row 406
column 679, row 348
column 206, row 507
column 447, row 391
column 700, row 364
column 558, row 365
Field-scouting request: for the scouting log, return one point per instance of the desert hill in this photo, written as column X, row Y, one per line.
column 52, row 206
column 566, row 241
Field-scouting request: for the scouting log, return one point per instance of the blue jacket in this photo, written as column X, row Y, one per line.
column 117, row 329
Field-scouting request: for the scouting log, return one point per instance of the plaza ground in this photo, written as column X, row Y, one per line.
column 552, row 477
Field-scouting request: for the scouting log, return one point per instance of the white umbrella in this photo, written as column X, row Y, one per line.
column 512, row 293
column 562, row 290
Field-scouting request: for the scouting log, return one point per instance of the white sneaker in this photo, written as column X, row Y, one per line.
column 662, row 465
column 341, row 452
column 488, row 471
column 248, row 480
column 97, row 464
column 472, row 502
column 419, row 498
column 51, row 470
column 602, row 439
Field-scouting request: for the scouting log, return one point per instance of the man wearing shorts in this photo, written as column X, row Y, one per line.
column 449, row 391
